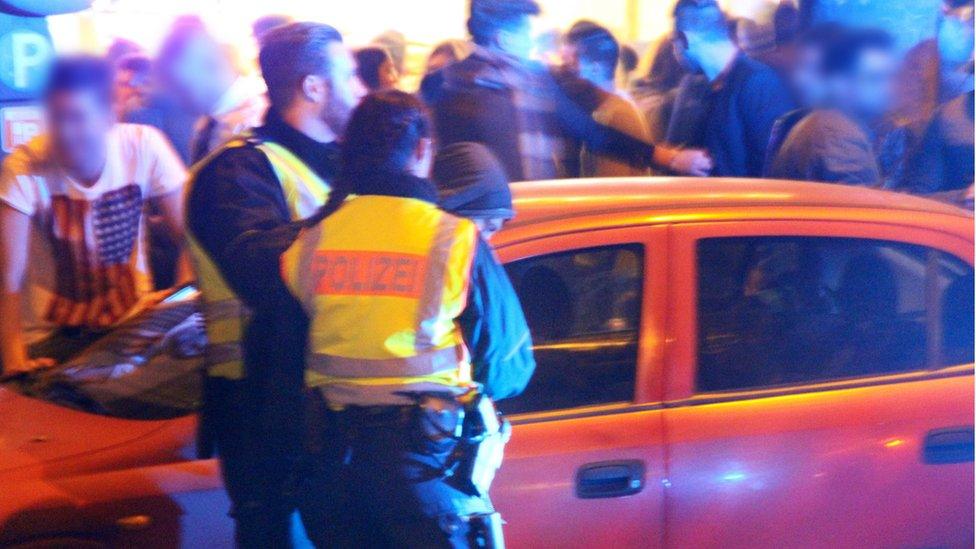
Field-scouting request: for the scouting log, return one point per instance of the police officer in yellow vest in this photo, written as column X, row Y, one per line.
column 411, row 318
column 243, row 205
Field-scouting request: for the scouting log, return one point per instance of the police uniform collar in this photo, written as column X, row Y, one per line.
column 321, row 157
column 401, row 185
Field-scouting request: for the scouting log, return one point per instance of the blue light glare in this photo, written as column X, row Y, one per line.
column 734, row 476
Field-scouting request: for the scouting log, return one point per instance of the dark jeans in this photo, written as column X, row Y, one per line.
column 378, row 481
column 260, row 475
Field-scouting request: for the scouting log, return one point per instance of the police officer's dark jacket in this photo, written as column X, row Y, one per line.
column 239, row 216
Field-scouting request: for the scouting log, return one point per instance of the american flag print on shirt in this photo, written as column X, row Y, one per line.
column 94, row 244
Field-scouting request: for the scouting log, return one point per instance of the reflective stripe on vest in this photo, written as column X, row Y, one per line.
column 384, row 280
column 224, row 314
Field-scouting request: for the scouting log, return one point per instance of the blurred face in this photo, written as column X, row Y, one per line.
column 807, row 78
column 78, row 123
column 874, row 83
column 438, row 61
column 389, row 76
column 488, row 227
column 683, row 53
column 130, row 87
column 201, row 74
column 345, row 88
column 955, row 37
column 516, row 40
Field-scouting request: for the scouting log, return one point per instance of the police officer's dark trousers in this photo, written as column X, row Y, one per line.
column 379, row 481
column 260, row 473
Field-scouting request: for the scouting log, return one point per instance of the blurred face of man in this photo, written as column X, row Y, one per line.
column 683, row 53
column 130, row 87
column 345, row 88
column 807, row 78
column 438, row 61
column 389, row 76
column 867, row 91
column 202, row 74
column 78, row 125
column 516, row 38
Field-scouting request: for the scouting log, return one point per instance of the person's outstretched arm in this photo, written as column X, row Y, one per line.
column 576, row 100
column 14, row 236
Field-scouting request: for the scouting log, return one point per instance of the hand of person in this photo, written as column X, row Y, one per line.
column 28, row 366
column 691, row 162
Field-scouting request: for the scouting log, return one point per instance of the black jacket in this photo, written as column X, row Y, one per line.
column 237, row 212
column 733, row 118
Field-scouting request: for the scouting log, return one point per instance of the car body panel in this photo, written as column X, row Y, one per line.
column 825, row 468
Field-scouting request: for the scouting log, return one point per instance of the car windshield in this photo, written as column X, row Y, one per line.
column 149, row 367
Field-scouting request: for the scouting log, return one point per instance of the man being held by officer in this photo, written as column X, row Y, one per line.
column 412, row 323
column 242, row 205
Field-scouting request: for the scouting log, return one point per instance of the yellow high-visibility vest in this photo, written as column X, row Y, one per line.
column 384, row 280
column 224, row 315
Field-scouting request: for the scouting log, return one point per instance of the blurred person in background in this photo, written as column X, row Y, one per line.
column 376, row 68
column 72, row 224
column 732, row 118
column 243, row 208
column 807, row 82
column 943, row 161
column 938, row 69
column 629, row 60
column 121, row 48
column 592, row 52
column 162, row 108
column 265, row 23
column 835, row 142
column 523, row 112
column 134, row 98
column 657, row 91
column 133, row 83
column 396, row 44
column 445, row 53
column 200, row 72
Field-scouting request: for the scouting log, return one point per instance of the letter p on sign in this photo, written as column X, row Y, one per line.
column 24, row 54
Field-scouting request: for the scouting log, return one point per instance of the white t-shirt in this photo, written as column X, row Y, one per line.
column 86, row 262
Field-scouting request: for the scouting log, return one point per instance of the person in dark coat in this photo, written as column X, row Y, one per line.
column 731, row 116
column 834, row 142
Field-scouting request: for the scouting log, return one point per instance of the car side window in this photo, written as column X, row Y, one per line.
column 583, row 309
column 791, row 310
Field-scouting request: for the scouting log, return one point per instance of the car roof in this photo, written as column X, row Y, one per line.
column 555, row 200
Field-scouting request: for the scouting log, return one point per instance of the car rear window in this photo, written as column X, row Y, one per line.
column 784, row 310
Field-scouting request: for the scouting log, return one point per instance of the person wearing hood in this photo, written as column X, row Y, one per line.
column 472, row 183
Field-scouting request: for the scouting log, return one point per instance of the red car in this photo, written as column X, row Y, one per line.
column 722, row 363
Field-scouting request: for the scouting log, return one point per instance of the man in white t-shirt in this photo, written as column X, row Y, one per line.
column 72, row 247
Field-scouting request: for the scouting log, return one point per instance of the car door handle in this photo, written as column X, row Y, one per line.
column 951, row 445
column 610, row 479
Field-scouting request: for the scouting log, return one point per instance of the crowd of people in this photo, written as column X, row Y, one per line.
column 148, row 162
